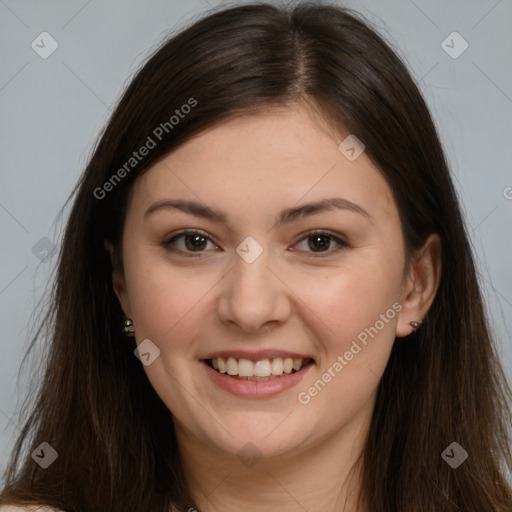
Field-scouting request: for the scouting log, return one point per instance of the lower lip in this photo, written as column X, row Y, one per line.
column 256, row 388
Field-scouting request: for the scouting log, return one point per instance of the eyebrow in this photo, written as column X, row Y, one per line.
column 285, row 217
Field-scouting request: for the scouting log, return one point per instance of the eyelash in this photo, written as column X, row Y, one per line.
column 342, row 244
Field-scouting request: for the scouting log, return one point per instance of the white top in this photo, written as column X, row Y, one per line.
column 37, row 508
column 31, row 508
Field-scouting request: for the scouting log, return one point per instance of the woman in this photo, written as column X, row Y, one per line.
column 266, row 296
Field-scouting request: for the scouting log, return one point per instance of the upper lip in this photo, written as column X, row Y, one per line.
column 255, row 356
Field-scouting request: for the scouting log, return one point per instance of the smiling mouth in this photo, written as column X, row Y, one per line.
column 262, row 370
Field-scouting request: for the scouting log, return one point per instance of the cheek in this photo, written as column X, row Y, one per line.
column 354, row 298
column 162, row 297
column 360, row 308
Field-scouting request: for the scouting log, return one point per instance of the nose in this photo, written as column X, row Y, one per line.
column 254, row 297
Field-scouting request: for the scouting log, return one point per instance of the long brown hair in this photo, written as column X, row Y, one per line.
column 113, row 435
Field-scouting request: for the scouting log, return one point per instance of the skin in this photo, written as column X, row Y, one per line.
column 253, row 167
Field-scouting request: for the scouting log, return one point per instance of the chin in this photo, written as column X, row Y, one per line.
column 250, row 440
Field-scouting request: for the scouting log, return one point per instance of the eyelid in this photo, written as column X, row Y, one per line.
column 167, row 243
column 336, row 237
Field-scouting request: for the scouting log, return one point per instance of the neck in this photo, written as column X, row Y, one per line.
column 325, row 476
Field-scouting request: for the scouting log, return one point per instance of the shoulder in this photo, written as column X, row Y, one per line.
column 28, row 508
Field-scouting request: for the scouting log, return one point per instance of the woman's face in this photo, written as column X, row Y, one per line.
column 255, row 289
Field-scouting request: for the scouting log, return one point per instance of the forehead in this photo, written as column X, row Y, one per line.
column 281, row 156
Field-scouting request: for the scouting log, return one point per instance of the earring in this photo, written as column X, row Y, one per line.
column 415, row 324
column 128, row 329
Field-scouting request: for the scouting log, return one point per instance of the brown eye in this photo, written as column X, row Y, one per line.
column 319, row 242
column 195, row 242
column 188, row 242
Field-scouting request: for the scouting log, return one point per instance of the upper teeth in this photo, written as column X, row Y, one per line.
column 262, row 368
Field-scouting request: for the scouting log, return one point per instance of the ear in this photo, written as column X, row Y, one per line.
column 420, row 285
column 118, row 281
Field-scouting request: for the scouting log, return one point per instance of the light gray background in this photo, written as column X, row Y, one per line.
column 52, row 110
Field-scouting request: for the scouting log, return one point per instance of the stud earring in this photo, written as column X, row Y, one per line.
column 415, row 324
column 128, row 329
